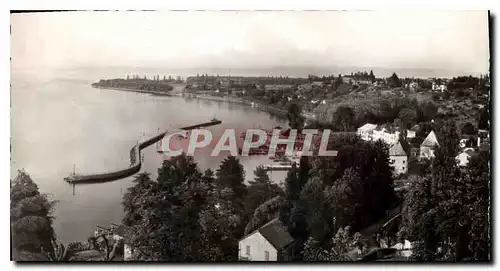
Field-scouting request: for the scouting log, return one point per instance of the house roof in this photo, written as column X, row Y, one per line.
column 397, row 150
column 368, row 127
column 275, row 233
column 430, row 140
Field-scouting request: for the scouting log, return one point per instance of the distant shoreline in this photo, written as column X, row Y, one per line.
column 157, row 93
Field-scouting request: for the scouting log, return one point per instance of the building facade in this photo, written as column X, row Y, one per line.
column 366, row 131
column 398, row 159
column 270, row 242
column 428, row 146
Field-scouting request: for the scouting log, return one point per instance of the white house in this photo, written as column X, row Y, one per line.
column 386, row 136
column 373, row 132
column 463, row 157
column 398, row 159
column 427, row 147
column 270, row 242
column 404, row 249
column 441, row 87
column 366, row 131
column 410, row 134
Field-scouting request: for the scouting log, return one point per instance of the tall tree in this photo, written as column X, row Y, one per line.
column 231, row 174
column 31, row 220
column 294, row 211
column 484, row 119
column 468, row 129
column 408, row 117
column 260, row 190
column 338, row 81
column 294, row 115
column 394, row 81
column 165, row 218
column 344, row 119
column 344, row 199
column 266, row 212
column 372, row 76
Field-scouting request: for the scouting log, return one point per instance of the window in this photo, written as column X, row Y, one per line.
column 248, row 250
column 266, row 255
column 404, row 162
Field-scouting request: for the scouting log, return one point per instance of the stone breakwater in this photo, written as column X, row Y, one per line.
column 135, row 160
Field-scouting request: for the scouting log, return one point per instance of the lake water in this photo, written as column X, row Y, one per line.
column 59, row 121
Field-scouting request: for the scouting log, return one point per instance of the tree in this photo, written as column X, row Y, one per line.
column 108, row 249
column 394, row 81
column 165, row 219
column 372, row 76
column 468, row 129
column 294, row 115
column 293, row 212
column 292, row 192
column 135, row 198
column 266, row 212
column 344, row 119
column 231, row 174
column 260, row 190
column 484, row 119
column 318, row 215
column 344, row 199
column 408, row 117
column 342, row 244
column 338, row 81
column 418, row 219
column 449, row 210
column 448, row 139
column 371, row 162
column 427, row 111
column 31, row 220
column 220, row 226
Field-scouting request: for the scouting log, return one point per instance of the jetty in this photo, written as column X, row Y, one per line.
column 135, row 159
column 277, row 167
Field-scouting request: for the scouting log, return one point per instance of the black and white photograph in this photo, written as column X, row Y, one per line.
column 251, row 136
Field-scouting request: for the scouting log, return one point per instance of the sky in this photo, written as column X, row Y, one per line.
column 422, row 39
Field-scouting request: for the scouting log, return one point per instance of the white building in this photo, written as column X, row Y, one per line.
column 427, row 147
column 398, row 159
column 463, row 157
column 270, row 242
column 404, row 249
column 366, row 131
column 386, row 136
column 441, row 87
column 373, row 132
column 410, row 134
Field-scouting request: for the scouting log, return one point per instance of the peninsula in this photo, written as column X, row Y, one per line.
column 155, row 85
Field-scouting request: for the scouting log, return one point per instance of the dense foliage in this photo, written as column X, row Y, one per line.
column 446, row 212
column 31, row 220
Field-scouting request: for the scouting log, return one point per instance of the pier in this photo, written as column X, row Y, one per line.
column 277, row 167
column 135, row 160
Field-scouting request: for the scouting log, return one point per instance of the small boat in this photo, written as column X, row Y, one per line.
column 214, row 120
